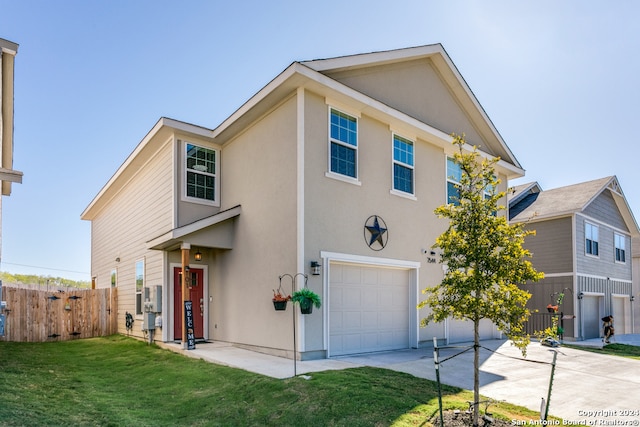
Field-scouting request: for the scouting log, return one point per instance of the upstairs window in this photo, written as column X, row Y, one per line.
column 454, row 175
column 620, row 247
column 343, row 157
column 591, row 239
column 201, row 174
column 402, row 164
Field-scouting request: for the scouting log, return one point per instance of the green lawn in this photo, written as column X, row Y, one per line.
column 622, row 350
column 118, row 381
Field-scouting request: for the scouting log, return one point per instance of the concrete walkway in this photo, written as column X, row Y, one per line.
column 584, row 382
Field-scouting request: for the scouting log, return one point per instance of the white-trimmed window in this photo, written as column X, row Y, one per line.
column 403, row 166
column 343, row 144
column 201, row 174
column 454, row 175
column 139, row 285
column 591, row 239
column 620, row 247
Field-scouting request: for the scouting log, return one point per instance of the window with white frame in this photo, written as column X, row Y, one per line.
column 402, row 164
column 343, row 144
column 620, row 247
column 591, row 239
column 201, row 173
column 139, row 285
column 454, row 175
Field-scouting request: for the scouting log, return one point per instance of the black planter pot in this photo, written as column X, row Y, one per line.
column 280, row 305
column 306, row 309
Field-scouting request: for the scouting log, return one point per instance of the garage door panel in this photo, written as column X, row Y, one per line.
column 372, row 312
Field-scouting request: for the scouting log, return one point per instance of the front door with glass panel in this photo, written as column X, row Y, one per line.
column 196, row 295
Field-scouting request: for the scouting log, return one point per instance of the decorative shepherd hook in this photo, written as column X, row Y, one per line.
column 293, row 289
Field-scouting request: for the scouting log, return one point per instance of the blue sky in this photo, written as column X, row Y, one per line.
column 559, row 80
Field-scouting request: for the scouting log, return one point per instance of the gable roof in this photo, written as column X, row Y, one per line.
column 315, row 76
column 530, row 203
column 312, row 76
column 446, row 70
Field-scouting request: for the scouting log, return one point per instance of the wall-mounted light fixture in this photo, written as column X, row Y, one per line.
column 198, row 255
column 118, row 259
column 315, row 268
column 581, row 295
column 632, row 298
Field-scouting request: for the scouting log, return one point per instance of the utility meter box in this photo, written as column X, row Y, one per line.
column 156, row 298
column 149, row 320
column 153, row 299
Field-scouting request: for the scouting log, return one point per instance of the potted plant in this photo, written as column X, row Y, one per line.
column 307, row 299
column 280, row 300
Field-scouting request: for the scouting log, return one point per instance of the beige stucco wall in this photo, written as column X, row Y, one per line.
column 414, row 87
column 139, row 212
column 258, row 173
column 335, row 211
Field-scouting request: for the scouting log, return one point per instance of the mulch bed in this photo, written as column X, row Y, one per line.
column 464, row 420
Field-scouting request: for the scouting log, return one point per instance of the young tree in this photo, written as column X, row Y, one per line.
column 484, row 259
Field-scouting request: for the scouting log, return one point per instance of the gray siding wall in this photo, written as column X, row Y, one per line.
column 604, row 209
column 551, row 248
column 603, row 265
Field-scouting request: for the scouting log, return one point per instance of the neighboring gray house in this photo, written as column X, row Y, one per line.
column 583, row 245
column 8, row 175
column 338, row 162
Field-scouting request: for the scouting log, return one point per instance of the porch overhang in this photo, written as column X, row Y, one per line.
column 215, row 231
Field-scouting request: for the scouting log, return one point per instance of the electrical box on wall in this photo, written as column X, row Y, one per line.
column 156, row 298
column 153, row 299
column 149, row 320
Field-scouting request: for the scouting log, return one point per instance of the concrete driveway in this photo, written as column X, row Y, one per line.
column 587, row 387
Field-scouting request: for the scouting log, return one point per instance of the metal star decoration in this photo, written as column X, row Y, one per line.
column 376, row 231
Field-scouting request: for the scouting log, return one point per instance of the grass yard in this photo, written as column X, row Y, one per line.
column 623, row 350
column 118, row 381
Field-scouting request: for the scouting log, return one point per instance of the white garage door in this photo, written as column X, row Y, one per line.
column 462, row 330
column 369, row 309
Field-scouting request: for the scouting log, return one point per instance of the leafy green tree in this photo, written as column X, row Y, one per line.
column 484, row 259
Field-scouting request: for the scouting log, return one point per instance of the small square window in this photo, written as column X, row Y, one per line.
column 201, row 173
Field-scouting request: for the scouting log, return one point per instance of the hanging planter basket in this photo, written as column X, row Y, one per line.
column 307, row 300
column 280, row 300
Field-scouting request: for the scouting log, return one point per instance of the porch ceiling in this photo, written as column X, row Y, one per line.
column 215, row 231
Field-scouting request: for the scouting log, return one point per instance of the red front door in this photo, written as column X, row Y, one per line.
column 196, row 295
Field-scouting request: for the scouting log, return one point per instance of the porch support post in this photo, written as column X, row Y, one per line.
column 185, row 289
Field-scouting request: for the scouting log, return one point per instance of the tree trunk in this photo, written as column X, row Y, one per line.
column 476, row 371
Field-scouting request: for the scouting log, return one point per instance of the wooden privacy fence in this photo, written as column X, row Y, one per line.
column 40, row 316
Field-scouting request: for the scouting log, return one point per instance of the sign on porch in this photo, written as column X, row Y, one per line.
column 188, row 319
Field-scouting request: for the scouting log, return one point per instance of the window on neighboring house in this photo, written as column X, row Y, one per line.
column 139, row 285
column 620, row 245
column 201, row 173
column 114, row 278
column 402, row 164
column 591, row 239
column 454, row 175
column 343, row 144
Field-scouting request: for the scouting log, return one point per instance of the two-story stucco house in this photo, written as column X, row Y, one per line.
column 8, row 175
column 583, row 245
column 336, row 162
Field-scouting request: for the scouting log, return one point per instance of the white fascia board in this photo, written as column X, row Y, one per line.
column 373, row 58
